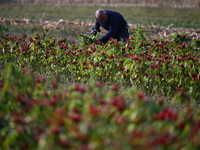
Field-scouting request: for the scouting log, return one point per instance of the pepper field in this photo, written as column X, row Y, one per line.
column 58, row 93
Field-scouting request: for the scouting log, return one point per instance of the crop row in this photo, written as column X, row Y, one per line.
column 43, row 113
column 157, row 66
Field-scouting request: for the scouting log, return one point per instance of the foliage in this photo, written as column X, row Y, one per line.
column 42, row 113
column 87, row 39
column 154, row 65
column 180, row 38
column 59, row 94
column 3, row 30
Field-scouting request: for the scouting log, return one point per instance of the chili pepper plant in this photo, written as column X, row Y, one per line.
column 60, row 94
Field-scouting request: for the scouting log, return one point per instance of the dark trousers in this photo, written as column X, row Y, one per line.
column 123, row 35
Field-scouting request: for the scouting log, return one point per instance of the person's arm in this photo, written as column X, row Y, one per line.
column 112, row 31
column 96, row 26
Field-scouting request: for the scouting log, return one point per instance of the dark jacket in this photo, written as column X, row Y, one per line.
column 115, row 24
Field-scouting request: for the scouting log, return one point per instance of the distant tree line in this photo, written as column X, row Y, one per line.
column 155, row 3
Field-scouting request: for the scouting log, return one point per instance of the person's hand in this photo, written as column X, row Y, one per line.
column 94, row 32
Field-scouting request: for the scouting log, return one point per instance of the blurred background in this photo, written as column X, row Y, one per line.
column 155, row 3
column 72, row 17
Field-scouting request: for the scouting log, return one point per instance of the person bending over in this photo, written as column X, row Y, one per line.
column 113, row 22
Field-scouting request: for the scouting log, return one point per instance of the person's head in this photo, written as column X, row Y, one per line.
column 101, row 15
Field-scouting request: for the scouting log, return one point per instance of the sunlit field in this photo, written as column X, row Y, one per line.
column 59, row 89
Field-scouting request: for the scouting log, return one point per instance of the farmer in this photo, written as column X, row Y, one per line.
column 113, row 22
